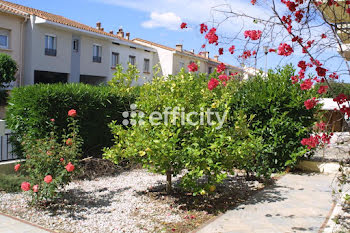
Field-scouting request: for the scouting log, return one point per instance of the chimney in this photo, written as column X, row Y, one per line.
column 102, row 29
column 216, row 57
column 179, row 47
column 206, row 54
column 111, row 32
column 98, row 25
column 192, row 50
column 120, row 32
column 128, row 35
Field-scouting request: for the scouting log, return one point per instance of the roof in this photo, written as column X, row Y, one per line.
column 20, row 9
column 185, row 52
column 12, row 10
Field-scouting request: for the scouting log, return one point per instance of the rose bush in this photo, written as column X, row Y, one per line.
column 50, row 162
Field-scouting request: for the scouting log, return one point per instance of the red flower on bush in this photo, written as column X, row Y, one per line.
column 321, row 71
column 69, row 142
column 36, row 188
column 232, row 49
column 253, row 2
column 52, row 120
column 341, row 98
column 72, row 113
column 212, row 37
column 323, row 36
column 311, row 142
column 70, row 167
column 203, row 46
column 322, row 90
column 221, row 51
column 272, row 50
column 192, row 67
column 204, row 28
column 48, row 179
column 25, row 186
column 220, row 68
column 17, row 167
column 306, row 85
column 333, row 76
column 310, row 103
column 223, row 77
column 183, row 25
column 61, row 159
column 253, row 34
column 213, row 83
column 285, row 49
column 321, row 126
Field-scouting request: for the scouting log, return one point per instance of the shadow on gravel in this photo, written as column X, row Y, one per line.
column 76, row 202
column 234, row 191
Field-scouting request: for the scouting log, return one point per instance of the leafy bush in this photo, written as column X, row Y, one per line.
column 208, row 152
column 280, row 117
column 31, row 107
column 8, row 69
column 50, row 162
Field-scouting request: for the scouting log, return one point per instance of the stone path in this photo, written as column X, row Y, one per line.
column 13, row 225
column 296, row 203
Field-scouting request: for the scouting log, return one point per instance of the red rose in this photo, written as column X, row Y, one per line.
column 72, row 113
column 25, row 186
column 36, row 188
column 192, row 67
column 48, row 179
column 69, row 142
column 213, row 83
column 17, row 166
column 70, row 167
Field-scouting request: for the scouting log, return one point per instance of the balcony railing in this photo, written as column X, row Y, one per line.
column 50, row 52
column 96, row 59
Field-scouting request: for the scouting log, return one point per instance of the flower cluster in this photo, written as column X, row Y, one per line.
column 192, row 67
column 204, row 28
column 221, row 68
column 232, row 49
column 253, row 34
column 310, row 103
column 183, row 25
column 284, row 49
column 212, row 37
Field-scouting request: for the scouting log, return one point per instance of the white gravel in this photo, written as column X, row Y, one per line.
column 108, row 204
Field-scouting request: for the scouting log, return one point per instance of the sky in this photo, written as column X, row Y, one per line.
column 159, row 21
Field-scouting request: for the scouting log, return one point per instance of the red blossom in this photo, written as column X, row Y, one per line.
column 221, row 51
column 204, row 28
column 333, row 76
column 203, row 46
column 310, row 103
column 48, row 179
column 295, row 79
column 246, row 54
column 69, row 142
column 285, row 49
column 253, row 2
column 192, row 67
column 72, row 113
column 315, row 62
column 223, row 77
column 183, row 25
column 311, row 142
column 25, row 186
column 213, row 83
column 212, row 37
column 322, row 90
column 321, row 126
column 253, row 34
column 220, row 68
column 70, row 167
column 298, row 39
column 306, row 85
column 232, row 49
column 35, row 188
column 299, row 15
column 17, row 167
column 302, row 65
column 323, row 36
column 52, row 120
column 272, row 50
column 341, row 98
column 321, row 71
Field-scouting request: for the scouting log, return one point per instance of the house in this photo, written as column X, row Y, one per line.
column 12, row 30
column 57, row 49
column 172, row 60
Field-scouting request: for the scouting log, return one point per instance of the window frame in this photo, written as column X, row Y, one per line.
column 98, row 57
column 146, row 69
column 116, row 54
column 50, row 51
column 75, row 42
column 132, row 57
column 7, row 41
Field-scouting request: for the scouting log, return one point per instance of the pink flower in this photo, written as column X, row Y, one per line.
column 322, row 90
column 223, row 77
column 17, row 167
column 36, row 188
column 285, row 50
column 192, row 67
column 213, row 83
column 310, row 103
column 232, row 49
column 72, row 113
column 183, row 25
column 25, row 186
column 220, row 68
column 306, row 85
column 253, row 34
column 48, row 179
column 70, row 167
column 212, row 37
column 61, row 159
column 52, row 120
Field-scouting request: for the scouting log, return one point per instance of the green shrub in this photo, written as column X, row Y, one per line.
column 280, row 117
column 8, row 69
column 208, row 152
column 11, row 183
column 51, row 158
column 31, row 107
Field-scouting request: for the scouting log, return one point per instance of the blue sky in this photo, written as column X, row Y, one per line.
column 159, row 20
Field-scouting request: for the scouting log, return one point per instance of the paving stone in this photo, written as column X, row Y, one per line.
column 10, row 225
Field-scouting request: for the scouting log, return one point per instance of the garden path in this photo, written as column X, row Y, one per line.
column 13, row 225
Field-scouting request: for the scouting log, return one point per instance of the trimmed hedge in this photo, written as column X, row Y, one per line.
column 31, row 108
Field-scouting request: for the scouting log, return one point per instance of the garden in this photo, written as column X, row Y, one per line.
column 86, row 170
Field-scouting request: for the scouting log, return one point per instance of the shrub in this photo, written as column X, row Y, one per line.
column 31, row 107
column 208, row 152
column 8, row 69
column 50, row 162
column 280, row 117
column 11, row 183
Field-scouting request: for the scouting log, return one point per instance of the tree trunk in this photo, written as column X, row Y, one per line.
column 168, row 182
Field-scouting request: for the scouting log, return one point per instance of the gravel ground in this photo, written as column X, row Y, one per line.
column 127, row 202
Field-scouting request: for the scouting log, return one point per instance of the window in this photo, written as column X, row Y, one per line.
column 210, row 70
column 146, row 66
column 115, row 59
column 76, row 46
column 132, row 60
column 50, row 45
column 97, row 53
column 181, row 65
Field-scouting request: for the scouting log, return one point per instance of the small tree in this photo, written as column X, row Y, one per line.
column 8, row 69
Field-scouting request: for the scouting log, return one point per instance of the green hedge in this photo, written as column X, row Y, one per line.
column 31, row 107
